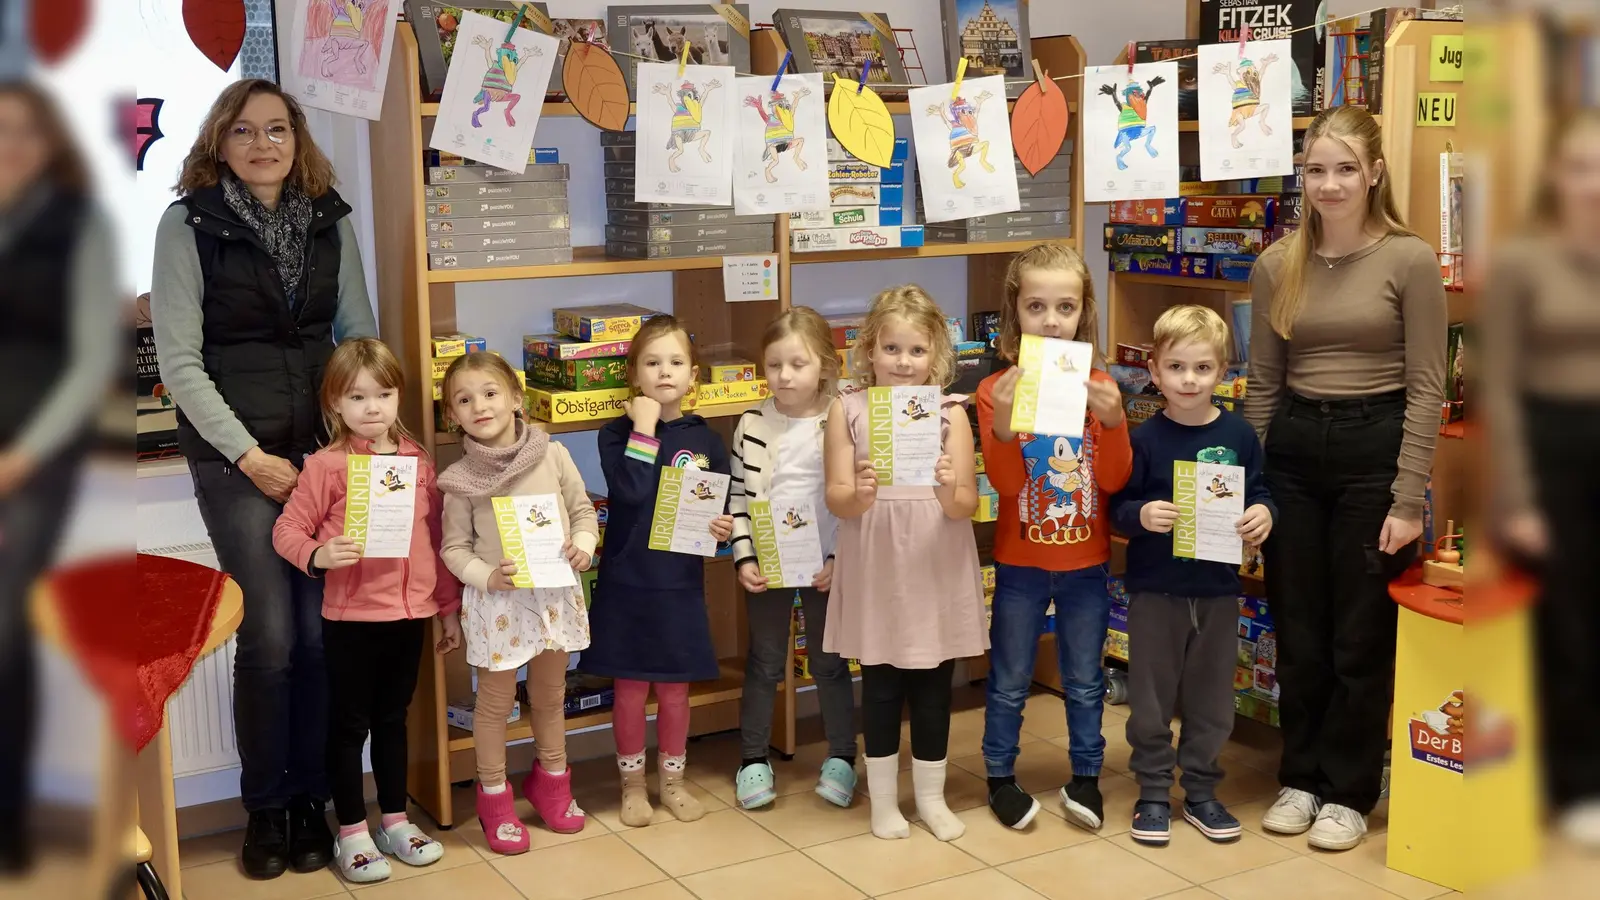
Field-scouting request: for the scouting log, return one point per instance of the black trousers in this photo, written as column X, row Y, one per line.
column 280, row 687
column 372, row 673
column 1561, row 439
column 886, row 692
column 1330, row 467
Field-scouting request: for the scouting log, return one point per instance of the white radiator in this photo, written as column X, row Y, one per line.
column 200, row 714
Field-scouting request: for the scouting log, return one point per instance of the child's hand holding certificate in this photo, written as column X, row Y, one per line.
column 532, row 537
column 1210, row 501
column 380, row 504
column 904, row 434
column 686, row 502
column 1052, row 395
column 788, row 542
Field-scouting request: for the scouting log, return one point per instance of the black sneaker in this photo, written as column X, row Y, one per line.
column 1081, row 797
column 266, row 844
column 310, row 840
column 1011, row 804
column 1151, row 823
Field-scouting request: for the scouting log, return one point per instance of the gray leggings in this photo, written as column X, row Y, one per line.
column 769, row 613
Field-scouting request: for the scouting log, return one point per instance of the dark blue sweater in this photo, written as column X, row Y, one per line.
column 631, row 486
column 1157, row 444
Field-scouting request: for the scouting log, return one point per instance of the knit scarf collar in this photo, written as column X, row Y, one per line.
column 282, row 230
column 489, row 471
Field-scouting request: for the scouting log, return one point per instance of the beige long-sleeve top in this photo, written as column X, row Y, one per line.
column 1540, row 337
column 471, row 546
column 1374, row 323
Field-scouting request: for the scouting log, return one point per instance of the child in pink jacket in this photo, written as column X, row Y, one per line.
column 376, row 600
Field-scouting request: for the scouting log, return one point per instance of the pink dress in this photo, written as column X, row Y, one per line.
column 906, row 590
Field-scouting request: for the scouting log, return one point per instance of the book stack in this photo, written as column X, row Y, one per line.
column 157, row 415
column 867, row 207
column 1214, row 236
column 670, row 230
column 482, row 217
column 1045, row 213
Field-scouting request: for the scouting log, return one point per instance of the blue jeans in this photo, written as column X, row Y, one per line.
column 1083, row 610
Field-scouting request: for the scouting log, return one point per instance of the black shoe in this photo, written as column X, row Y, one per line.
column 1082, row 801
column 310, row 841
column 266, row 844
column 1011, row 804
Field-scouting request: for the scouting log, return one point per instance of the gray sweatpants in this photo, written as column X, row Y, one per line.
column 769, row 614
column 1180, row 646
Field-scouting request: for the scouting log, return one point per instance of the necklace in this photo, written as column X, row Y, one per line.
column 1334, row 262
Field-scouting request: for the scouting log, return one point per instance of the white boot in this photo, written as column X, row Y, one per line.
column 883, row 792
column 927, row 784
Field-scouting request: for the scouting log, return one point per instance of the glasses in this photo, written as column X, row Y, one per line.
column 245, row 135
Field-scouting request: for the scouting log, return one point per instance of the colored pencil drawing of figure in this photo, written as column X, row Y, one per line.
column 688, row 112
column 961, row 116
column 778, row 115
column 343, row 41
column 1246, row 81
column 499, row 79
column 1133, row 119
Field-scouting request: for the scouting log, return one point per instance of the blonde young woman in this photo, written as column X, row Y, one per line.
column 1346, row 380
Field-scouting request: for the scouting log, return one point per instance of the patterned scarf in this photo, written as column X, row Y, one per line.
column 484, row 472
column 282, row 231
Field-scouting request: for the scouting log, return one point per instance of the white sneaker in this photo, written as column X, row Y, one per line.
column 1293, row 813
column 1337, row 828
column 1580, row 824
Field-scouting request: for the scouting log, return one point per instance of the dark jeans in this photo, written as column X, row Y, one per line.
column 885, row 693
column 280, row 688
column 372, row 672
column 1561, row 439
column 1330, row 467
column 31, row 520
column 770, row 613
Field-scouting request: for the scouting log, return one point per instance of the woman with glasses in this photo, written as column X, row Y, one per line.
column 257, row 275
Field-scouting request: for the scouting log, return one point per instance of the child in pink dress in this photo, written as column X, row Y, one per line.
column 907, row 600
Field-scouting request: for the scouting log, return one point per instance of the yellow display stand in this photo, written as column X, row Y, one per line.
column 1440, row 735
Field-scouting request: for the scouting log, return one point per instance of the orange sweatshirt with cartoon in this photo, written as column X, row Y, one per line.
column 1053, row 490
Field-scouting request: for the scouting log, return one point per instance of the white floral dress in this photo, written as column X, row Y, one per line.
column 503, row 630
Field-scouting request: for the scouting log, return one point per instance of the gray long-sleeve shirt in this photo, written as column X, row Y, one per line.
column 176, row 289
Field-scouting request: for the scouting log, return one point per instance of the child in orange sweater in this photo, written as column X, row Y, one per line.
column 1051, row 542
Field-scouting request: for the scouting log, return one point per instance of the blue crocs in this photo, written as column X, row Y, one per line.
column 754, row 786
column 837, row 784
column 1213, row 820
column 1150, row 823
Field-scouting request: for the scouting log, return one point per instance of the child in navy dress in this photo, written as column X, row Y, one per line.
column 649, row 623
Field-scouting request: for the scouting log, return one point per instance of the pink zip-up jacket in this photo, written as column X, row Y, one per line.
column 372, row 590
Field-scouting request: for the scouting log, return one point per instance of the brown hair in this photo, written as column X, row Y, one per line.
column 311, row 171
column 815, row 334
column 1191, row 323
column 1359, row 132
column 66, row 169
column 910, row 304
column 658, row 326
column 1049, row 257
column 486, row 363
column 1546, row 206
column 348, row 361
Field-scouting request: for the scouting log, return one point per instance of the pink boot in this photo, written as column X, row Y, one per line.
column 497, row 814
column 551, row 796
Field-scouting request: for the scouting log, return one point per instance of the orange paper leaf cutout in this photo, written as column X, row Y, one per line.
column 1039, row 125
column 595, row 86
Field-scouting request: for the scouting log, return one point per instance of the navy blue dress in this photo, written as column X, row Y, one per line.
column 648, row 621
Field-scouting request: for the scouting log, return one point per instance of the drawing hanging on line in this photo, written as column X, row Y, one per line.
column 960, row 115
column 1245, row 77
column 500, row 78
column 688, row 118
column 344, row 41
column 776, row 111
column 494, row 68
column 1133, row 117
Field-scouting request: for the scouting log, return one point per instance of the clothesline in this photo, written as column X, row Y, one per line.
column 881, row 84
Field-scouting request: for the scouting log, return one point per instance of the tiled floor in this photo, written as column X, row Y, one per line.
column 803, row 848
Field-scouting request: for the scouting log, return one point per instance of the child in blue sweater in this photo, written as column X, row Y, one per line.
column 1183, row 613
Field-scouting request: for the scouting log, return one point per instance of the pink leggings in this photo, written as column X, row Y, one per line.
column 672, row 716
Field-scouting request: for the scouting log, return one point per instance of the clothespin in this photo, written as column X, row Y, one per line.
column 787, row 55
column 1041, row 77
column 866, row 66
column 522, row 12
column 683, row 59
column 1132, row 52
column 1244, row 35
column 961, row 72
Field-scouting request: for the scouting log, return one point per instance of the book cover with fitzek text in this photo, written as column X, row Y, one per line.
column 1221, row 21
